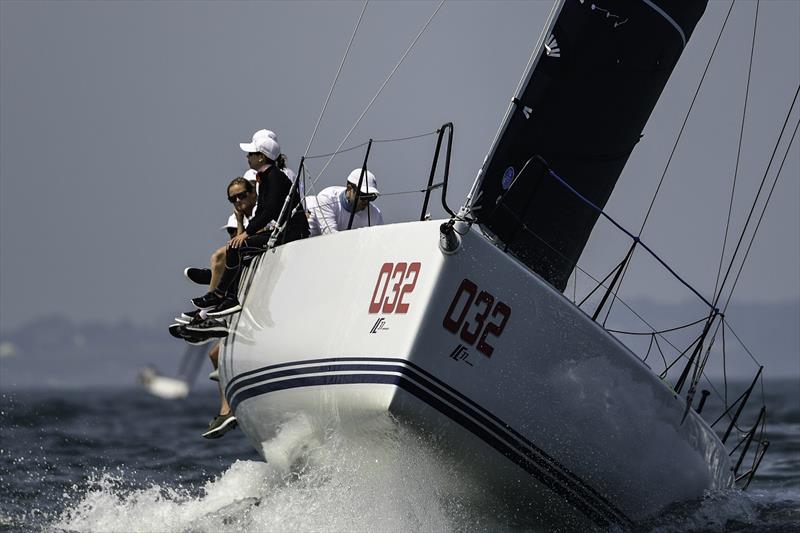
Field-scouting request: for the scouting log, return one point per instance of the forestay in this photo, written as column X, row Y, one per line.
column 580, row 112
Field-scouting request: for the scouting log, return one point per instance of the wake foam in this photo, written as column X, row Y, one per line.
column 387, row 478
column 753, row 511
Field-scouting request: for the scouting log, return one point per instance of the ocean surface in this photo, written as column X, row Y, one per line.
column 120, row 460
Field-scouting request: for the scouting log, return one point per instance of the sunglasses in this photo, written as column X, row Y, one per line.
column 367, row 198
column 241, row 196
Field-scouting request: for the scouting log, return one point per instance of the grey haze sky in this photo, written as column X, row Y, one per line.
column 119, row 124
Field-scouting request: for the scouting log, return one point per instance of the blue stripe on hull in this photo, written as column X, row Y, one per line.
column 515, row 447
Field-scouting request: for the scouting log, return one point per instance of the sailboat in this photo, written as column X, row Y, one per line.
column 177, row 387
column 460, row 327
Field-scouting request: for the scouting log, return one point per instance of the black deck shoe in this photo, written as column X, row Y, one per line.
column 189, row 315
column 176, row 330
column 220, row 425
column 228, row 306
column 179, row 331
column 207, row 301
column 198, row 340
column 201, row 276
column 209, row 327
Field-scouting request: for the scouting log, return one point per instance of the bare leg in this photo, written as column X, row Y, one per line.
column 217, row 268
column 224, row 408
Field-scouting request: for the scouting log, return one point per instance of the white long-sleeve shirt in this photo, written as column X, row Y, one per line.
column 329, row 212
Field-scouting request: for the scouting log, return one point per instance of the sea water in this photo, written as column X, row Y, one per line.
column 124, row 461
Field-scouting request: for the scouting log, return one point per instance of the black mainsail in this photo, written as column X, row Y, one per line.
column 580, row 112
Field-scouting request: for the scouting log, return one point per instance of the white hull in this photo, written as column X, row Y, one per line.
column 561, row 416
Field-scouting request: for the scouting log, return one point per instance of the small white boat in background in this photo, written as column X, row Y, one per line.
column 174, row 388
column 459, row 327
column 163, row 387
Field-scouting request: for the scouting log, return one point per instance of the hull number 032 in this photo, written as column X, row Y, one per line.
column 475, row 316
column 396, row 281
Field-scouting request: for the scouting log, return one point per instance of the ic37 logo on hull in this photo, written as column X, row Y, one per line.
column 380, row 325
column 396, row 281
column 476, row 327
column 460, row 353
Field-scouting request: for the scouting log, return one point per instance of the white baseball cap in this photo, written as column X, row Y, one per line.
column 250, row 175
column 231, row 223
column 265, row 133
column 257, row 136
column 263, row 143
column 368, row 186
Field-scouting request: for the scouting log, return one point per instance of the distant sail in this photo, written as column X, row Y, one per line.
column 582, row 110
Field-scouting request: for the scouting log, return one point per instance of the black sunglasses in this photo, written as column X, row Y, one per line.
column 241, row 196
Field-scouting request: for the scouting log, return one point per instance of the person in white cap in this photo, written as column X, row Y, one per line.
column 280, row 162
column 273, row 188
column 329, row 211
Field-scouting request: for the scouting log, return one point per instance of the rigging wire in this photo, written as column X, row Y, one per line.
column 526, row 74
column 369, row 105
column 755, row 200
column 682, row 353
column 738, row 151
column 724, row 321
column 686, row 119
column 761, row 217
column 724, row 364
column 330, row 92
column 396, row 139
column 374, row 141
column 525, row 228
column 718, row 293
column 380, row 90
column 336, row 78
column 660, row 351
column 642, row 333
column 674, row 148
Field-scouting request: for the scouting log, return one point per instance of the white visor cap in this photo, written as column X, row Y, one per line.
column 250, row 175
column 231, row 223
column 264, row 144
column 368, row 186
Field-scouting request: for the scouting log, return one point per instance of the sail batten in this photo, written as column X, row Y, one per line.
column 580, row 112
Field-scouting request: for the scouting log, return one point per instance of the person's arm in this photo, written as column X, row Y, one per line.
column 239, row 221
column 327, row 212
column 377, row 216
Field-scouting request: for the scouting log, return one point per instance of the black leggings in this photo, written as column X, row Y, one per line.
column 229, row 284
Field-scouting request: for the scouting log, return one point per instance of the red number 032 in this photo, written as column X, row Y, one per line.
column 475, row 326
column 395, row 282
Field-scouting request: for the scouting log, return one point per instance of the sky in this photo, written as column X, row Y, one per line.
column 120, row 123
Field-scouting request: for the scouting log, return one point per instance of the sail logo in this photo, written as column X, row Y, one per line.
column 551, row 48
column 508, row 178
